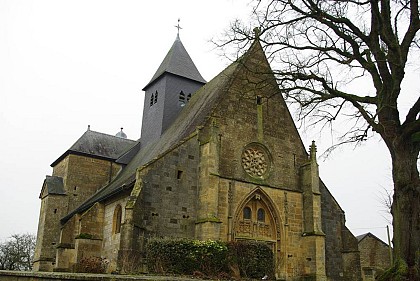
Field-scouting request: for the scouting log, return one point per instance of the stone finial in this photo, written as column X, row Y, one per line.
column 312, row 151
column 257, row 32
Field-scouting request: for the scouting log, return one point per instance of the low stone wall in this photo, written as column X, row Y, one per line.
column 6, row 275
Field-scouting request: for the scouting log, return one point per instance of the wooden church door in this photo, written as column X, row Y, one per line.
column 255, row 221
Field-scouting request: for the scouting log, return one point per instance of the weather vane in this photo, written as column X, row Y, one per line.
column 178, row 26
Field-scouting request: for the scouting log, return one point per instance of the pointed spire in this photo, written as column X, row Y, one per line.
column 178, row 62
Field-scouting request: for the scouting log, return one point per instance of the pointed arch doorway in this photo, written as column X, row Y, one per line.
column 257, row 219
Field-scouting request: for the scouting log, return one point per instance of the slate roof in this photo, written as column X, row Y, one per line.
column 195, row 114
column 363, row 236
column 177, row 62
column 54, row 185
column 98, row 145
column 126, row 157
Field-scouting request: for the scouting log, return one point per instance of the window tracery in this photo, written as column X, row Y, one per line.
column 255, row 160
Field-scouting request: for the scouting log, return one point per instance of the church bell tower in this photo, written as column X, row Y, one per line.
column 169, row 90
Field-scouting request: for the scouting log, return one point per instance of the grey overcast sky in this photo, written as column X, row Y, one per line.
column 65, row 65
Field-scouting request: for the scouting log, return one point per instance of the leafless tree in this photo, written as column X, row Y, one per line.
column 17, row 252
column 319, row 49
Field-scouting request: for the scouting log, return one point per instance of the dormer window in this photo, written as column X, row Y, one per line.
column 181, row 98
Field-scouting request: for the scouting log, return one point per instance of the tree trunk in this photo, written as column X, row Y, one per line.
column 406, row 205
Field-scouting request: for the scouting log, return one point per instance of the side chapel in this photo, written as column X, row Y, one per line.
column 218, row 160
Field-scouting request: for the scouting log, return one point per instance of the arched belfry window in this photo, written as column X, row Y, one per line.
column 261, row 215
column 247, row 213
column 181, row 98
column 116, row 225
column 152, row 98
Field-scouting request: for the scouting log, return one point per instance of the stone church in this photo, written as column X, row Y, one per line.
column 218, row 160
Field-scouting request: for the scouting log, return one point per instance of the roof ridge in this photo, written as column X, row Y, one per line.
column 370, row 234
column 109, row 135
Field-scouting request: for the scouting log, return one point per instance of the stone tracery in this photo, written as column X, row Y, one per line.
column 255, row 161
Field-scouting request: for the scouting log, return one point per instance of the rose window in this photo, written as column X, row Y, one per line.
column 255, row 161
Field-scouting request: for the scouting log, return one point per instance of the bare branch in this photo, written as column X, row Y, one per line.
column 413, row 112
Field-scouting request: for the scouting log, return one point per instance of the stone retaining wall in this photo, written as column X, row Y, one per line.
column 55, row 276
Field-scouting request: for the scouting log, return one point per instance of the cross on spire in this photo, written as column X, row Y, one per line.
column 178, row 27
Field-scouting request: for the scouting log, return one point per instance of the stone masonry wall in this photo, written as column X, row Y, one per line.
column 253, row 111
column 111, row 240
column 168, row 197
column 374, row 256
column 332, row 223
column 52, row 209
column 59, row 276
column 342, row 255
column 85, row 175
column 293, row 259
column 285, row 149
column 252, row 116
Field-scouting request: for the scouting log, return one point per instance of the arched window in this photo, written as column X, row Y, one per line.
column 156, row 97
column 188, row 97
column 152, row 98
column 247, row 213
column 117, row 219
column 182, row 98
column 261, row 215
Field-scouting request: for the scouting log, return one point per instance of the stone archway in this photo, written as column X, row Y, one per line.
column 257, row 219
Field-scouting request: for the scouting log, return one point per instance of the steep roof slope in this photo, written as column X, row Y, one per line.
column 195, row 114
column 98, row 145
column 177, row 62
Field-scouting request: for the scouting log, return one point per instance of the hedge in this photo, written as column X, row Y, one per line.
column 210, row 258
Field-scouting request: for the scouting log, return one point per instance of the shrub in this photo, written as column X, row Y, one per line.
column 186, row 256
column 254, row 259
column 92, row 265
column 210, row 258
column 131, row 262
